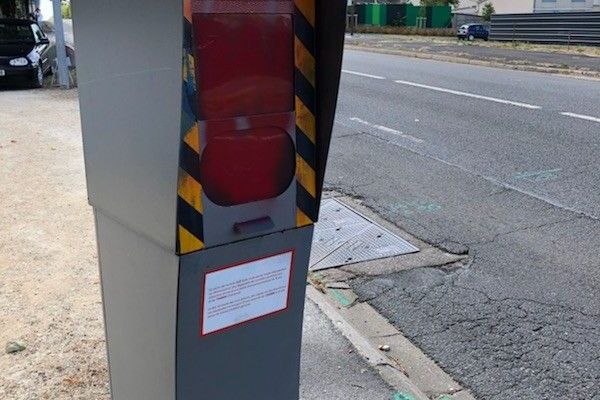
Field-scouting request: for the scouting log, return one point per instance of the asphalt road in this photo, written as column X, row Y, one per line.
column 68, row 28
column 478, row 50
column 500, row 164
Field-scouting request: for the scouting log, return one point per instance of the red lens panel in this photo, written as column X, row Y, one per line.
column 239, row 167
column 244, row 64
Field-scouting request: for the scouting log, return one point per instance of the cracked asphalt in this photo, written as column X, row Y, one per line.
column 516, row 188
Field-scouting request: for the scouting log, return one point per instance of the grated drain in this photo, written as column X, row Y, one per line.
column 343, row 236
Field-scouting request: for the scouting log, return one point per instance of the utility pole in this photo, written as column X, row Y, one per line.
column 62, row 68
column 352, row 16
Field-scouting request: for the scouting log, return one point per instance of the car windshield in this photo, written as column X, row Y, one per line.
column 11, row 33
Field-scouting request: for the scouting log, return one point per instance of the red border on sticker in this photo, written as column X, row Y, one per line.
column 237, row 264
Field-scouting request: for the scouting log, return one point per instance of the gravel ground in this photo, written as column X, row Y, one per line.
column 49, row 286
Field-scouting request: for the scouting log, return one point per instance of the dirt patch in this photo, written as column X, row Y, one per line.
column 49, row 281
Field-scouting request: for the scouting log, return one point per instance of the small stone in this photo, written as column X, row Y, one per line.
column 14, row 347
column 384, row 347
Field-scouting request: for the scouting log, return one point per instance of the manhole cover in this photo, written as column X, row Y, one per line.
column 343, row 236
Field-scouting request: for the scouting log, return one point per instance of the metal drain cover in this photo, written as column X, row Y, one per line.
column 343, row 236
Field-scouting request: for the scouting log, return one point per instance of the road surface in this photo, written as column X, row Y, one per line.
column 68, row 29
column 563, row 58
column 500, row 164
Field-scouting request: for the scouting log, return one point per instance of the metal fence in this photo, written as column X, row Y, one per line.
column 577, row 28
column 376, row 14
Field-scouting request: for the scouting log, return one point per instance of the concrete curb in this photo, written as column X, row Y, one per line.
column 405, row 367
column 593, row 75
column 386, row 367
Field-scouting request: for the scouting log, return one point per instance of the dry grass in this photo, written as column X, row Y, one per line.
column 591, row 51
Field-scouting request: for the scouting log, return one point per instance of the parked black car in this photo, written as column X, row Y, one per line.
column 25, row 52
column 473, row 31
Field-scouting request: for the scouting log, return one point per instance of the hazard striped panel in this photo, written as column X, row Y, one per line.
column 190, row 229
column 305, row 106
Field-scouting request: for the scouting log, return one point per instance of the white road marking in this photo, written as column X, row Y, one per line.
column 581, row 116
column 363, row 74
column 387, row 130
column 475, row 96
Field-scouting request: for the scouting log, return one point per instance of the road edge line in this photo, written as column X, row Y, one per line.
column 581, row 116
column 364, row 75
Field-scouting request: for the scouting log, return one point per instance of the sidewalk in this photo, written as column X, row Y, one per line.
column 49, row 284
column 578, row 60
column 331, row 367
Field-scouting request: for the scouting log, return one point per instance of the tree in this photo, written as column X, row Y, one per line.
column 487, row 11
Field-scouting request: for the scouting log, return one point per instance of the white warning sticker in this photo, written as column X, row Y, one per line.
column 244, row 292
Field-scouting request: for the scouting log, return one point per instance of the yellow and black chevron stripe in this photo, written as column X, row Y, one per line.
column 306, row 127
column 190, row 229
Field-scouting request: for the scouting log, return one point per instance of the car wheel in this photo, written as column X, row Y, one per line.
column 38, row 77
column 471, row 38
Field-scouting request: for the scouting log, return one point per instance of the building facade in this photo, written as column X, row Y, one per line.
column 566, row 5
column 513, row 6
column 501, row 6
column 523, row 6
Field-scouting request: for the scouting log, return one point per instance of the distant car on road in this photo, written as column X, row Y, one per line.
column 25, row 52
column 473, row 31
